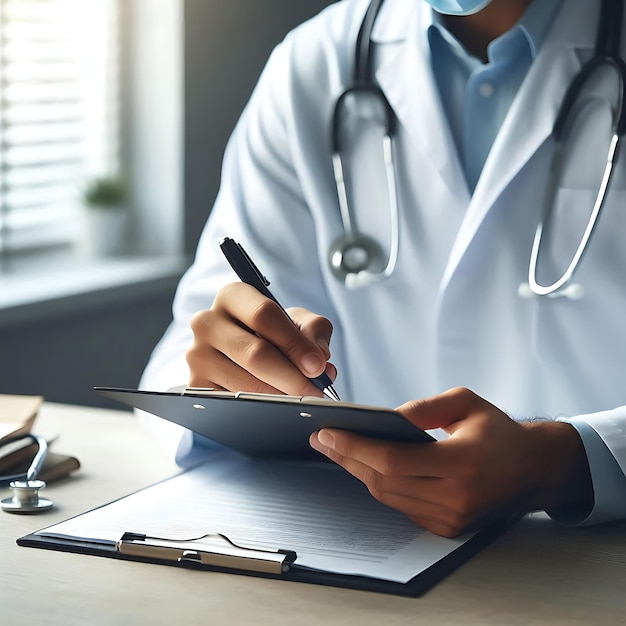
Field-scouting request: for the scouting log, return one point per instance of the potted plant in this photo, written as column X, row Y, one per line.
column 105, row 200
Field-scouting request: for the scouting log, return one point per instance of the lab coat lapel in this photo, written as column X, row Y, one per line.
column 405, row 76
column 531, row 117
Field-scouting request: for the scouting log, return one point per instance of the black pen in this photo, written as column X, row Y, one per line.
column 249, row 273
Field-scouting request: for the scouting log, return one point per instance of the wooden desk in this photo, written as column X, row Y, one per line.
column 538, row 573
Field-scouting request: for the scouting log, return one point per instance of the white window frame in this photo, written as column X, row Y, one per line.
column 149, row 152
column 154, row 122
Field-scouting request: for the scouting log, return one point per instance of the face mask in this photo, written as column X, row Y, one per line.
column 458, row 7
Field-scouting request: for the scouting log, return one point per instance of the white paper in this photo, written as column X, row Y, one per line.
column 327, row 517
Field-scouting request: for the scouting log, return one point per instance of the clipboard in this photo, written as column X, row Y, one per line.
column 152, row 553
column 267, row 425
column 217, row 552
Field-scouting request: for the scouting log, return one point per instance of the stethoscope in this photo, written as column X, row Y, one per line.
column 606, row 54
column 356, row 258
column 25, row 486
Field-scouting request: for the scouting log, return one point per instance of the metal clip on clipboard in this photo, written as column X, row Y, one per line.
column 221, row 552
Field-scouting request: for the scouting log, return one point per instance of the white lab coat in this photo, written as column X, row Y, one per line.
column 450, row 315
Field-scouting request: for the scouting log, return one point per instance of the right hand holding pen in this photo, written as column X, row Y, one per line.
column 245, row 342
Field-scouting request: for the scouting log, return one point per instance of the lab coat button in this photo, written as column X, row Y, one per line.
column 486, row 90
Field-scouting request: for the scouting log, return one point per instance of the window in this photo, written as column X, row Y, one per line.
column 59, row 120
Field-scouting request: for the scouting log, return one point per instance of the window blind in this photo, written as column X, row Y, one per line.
column 58, row 115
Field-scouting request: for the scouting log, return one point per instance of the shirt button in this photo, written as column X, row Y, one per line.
column 486, row 90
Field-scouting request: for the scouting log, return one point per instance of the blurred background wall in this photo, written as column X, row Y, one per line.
column 61, row 348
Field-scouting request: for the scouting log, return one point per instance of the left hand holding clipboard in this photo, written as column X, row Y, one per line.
column 490, row 466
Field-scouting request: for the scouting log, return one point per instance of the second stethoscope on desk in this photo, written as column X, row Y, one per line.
column 25, row 486
column 356, row 258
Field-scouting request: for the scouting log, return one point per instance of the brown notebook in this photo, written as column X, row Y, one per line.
column 17, row 417
column 19, row 458
column 57, row 465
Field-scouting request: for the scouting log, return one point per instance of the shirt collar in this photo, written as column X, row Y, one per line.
column 537, row 20
column 531, row 28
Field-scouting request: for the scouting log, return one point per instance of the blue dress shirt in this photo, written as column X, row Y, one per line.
column 476, row 96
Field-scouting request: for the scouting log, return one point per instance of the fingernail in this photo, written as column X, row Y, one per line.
column 312, row 364
column 326, row 438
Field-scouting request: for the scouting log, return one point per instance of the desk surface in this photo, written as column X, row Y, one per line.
column 537, row 573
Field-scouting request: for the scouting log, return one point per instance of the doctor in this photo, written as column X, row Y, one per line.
column 443, row 304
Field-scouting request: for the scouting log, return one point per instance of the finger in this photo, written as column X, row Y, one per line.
column 443, row 506
column 215, row 332
column 451, row 522
column 432, row 516
column 212, row 369
column 378, row 483
column 317, row 328
column 331, row 371
column 261, row 365
column 444, row 410
column 437, row 526
column 431, row 459
column 422, row 499
column 267, row 319
column 446, row 506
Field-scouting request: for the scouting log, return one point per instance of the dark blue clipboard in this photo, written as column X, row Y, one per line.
column 266, row 425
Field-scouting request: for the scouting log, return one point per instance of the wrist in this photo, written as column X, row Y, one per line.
column 561, row 471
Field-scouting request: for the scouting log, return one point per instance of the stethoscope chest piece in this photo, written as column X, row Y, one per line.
column 351, row 255
column 26, row 498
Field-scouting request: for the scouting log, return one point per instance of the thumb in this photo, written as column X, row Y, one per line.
column 443, row 410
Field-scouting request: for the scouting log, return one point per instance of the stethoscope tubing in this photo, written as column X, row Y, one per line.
column 606, row 53
column 560, row 129
column 364, row 85
column 36, row 463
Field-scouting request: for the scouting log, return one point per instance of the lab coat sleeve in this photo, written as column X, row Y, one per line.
column 604, row 438
column 264, row 202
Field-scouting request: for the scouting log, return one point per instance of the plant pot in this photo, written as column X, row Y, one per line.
column 104, row 232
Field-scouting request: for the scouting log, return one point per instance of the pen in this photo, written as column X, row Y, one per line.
column 249, row 273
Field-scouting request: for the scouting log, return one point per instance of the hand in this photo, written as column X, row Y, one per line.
column 245, row 342
column 489, row 467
